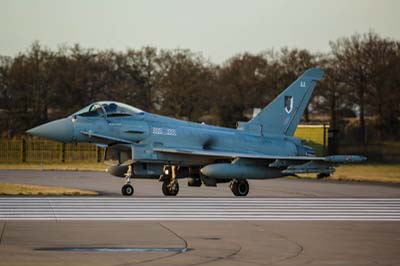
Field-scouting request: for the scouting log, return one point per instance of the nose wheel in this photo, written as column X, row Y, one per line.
column 127, row 190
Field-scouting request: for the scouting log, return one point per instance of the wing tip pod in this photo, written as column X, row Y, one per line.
column 345, row 159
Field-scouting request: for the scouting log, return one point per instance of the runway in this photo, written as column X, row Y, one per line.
column 192, row 209
column 107, row 185
column 281, row 222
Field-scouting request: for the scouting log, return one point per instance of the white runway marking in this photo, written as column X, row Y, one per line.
column 100, row 208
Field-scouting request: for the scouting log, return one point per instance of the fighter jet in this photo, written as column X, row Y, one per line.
column 145, row 145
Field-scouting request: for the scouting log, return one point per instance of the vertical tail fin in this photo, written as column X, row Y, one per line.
column 283, row 114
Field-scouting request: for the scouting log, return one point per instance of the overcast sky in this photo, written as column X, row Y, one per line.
column 216, row 28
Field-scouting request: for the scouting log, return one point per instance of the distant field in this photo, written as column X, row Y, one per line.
column 11, row 189
column 372, row 172
column 387, row 173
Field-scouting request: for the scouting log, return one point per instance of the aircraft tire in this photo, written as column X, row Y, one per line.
column 240, row 188
column 127, row 190
column 322, row 175
column 165, row 188
column 169, row 190
column 194, row 182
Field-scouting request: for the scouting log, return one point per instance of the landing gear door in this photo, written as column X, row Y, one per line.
column 117, row 154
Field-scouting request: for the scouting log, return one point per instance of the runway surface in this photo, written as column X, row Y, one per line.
column 108, row 185
column 262, row 209
column 281, row 222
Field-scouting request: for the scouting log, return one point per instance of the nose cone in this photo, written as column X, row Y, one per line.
column 59, row 130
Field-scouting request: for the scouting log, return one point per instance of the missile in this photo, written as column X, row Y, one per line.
column 345, row 159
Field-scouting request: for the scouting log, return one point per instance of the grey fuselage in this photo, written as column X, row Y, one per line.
column 148, row 131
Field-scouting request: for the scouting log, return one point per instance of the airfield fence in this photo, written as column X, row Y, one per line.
column 35, row 150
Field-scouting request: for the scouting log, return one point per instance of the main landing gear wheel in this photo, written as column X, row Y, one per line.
column 170, row 188
column 127, row 190
column 322, row 175
column 240, row 188
column 194, row 182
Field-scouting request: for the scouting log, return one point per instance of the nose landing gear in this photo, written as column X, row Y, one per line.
column 127, row 189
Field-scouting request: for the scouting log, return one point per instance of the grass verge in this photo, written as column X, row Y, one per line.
column 386, row 173
column 54, row 166
column 11, row 189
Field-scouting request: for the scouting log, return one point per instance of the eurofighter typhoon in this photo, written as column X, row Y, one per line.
column 145, row 145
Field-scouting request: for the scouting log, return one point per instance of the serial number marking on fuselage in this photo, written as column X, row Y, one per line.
column 164, row 131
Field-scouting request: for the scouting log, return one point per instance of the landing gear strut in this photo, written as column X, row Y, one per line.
column 240, row 188
column 127, row 189
column 170, row 186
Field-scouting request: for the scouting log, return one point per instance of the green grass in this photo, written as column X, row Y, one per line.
column 54, row 166
column 386, row 173
column 11, row 189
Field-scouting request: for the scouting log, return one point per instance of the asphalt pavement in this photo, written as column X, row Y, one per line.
column 108, row 185
column 282, row 222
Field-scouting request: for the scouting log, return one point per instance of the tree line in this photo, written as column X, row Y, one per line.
column 358, row 95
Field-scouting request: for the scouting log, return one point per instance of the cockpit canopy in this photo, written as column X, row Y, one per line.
column 108, row 109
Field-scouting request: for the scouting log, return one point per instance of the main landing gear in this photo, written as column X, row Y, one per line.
column 170, row 186
column 239, row 187
column 127, row 189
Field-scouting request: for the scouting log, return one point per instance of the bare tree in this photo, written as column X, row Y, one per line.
column 352, row 69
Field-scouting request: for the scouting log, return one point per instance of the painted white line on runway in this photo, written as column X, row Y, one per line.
column 181, row 199
column 215, row 209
